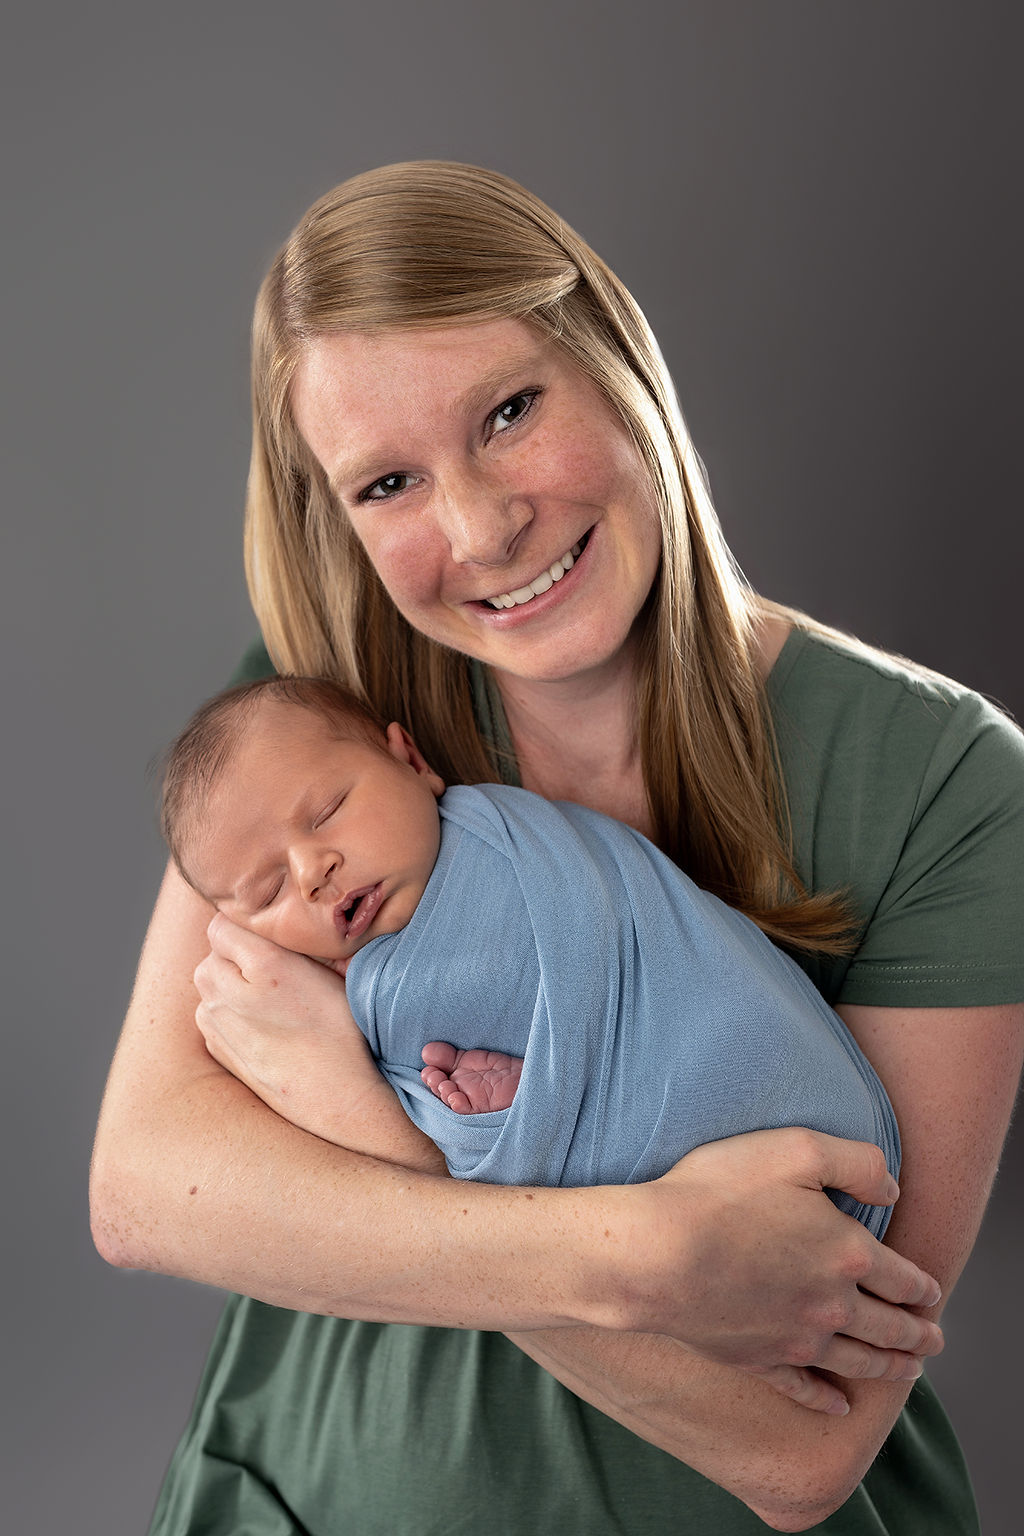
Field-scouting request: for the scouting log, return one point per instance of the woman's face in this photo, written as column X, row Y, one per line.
column 496, row 492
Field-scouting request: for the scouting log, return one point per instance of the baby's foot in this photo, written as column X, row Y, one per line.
column 471, row 1082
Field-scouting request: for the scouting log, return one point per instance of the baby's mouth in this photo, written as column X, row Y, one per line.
column 356, row 911
column 542, row 583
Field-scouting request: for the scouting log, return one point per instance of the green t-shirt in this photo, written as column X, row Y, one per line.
column 907, row 792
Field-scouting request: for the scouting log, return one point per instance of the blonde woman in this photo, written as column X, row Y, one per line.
column 473, row 499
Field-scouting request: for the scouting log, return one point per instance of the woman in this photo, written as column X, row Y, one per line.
column 472, row 496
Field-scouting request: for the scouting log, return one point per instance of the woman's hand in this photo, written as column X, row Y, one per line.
column 807, row 1285
column 281, row 1024
column 738, row 1254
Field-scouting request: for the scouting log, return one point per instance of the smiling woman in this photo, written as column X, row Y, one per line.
column 455, row 401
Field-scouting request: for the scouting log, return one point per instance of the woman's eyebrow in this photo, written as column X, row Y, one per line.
column 507, row 372
column 359, row 471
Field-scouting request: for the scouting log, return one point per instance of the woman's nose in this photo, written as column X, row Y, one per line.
column 481, row 519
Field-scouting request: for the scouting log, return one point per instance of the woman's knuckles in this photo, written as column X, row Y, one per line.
column 834, row 1316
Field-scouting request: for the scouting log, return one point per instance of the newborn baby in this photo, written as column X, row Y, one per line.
column 628, row 1016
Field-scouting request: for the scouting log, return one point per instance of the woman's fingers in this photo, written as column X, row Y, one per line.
column 818, row 1292
column 888, row 1275
column 812, row 1390
column 858, row 1167
column 256, row 958
column 265, row 983
column 214, row 976
column 883, row 1330
column 843, row 1357
column 805, row 1388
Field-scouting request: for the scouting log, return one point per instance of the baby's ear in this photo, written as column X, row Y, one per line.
column 401, row 745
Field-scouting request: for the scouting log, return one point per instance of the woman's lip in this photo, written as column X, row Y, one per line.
column 367, row 899
column 540, row 600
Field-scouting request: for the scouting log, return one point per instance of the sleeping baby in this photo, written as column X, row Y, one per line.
column 551, row 999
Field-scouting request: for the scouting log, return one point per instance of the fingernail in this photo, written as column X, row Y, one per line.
column 839, row 1409
column 893, row 1189
column 911, row 1370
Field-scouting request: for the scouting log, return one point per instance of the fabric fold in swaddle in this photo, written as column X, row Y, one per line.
column 651, row 1017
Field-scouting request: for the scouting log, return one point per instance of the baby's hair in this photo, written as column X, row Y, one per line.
column 195, row 761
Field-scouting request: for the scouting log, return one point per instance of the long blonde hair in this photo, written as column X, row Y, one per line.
column 436, row 243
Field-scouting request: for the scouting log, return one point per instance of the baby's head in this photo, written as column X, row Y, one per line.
column 300, row 816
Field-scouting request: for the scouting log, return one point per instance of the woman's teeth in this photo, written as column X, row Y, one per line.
column 539, row 584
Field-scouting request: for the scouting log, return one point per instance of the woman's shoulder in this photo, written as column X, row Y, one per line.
column 835, row 700
column 905, row 789
column 816, row 659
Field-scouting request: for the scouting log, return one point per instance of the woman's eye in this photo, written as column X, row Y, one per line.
column 512, row 412
column 386, row 487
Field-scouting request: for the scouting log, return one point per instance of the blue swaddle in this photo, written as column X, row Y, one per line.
column 652, row 1018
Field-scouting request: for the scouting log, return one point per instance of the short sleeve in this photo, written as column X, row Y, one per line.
column 905, row 794
column 948, row 927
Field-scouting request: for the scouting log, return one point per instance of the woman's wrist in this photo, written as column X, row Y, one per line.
column 622, row 1258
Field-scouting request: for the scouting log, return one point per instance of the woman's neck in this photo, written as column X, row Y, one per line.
column 575, row 739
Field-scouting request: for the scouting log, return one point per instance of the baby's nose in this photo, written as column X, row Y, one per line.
column 320, row 881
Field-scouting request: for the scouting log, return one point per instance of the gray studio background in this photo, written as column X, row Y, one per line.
column 817, row 204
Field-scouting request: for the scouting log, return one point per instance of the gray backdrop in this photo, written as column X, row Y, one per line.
column 817, row 203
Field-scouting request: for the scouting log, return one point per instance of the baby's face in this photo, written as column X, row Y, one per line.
column 317, row 843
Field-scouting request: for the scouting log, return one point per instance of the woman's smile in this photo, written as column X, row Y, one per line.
column 518, row 597
column 497, row 493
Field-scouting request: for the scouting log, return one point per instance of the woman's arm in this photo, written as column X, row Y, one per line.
column 952, row 1076
column 193, row 1175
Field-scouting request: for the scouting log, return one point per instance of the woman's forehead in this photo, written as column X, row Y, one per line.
column 421, row 356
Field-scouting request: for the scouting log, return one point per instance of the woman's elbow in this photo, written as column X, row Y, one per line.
column 109, row 1218
column 109, row 1239
column 122, row 1201
column 800, row 1497
column 795, row 1517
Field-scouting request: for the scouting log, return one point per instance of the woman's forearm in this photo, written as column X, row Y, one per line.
column 213, row 1186
column 791, row 1466
column 197, row 1177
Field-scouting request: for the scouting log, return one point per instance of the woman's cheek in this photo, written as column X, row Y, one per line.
column 392, row 545
column 409, row 563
